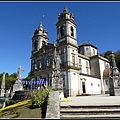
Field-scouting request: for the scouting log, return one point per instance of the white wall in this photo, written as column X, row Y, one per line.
column 102, row 67
column 83, row 63
column 95, row 89
column 74, row 83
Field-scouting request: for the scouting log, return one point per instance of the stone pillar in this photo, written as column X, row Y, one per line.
column 111, row 89
column 114, row 78
column 53, row 109
column 102, row 85
column 69, row 82
column 3, row 85
column 79, row 83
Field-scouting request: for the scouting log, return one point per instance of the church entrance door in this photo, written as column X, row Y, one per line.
column 83, row 87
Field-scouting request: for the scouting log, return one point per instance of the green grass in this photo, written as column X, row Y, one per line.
column 24, row 111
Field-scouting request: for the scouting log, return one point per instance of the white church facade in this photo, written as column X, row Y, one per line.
column 81, row 66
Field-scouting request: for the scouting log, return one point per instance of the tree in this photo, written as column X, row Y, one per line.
column 9, row 79
column 117, row 57
column 28, row 77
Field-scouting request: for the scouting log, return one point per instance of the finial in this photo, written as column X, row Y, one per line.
column 89, row 41
column 83, row 41
column 40, row 26
column 65, row 9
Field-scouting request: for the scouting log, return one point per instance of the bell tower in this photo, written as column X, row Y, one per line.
column 67, row 47
column 66, row 28
column 39, row 39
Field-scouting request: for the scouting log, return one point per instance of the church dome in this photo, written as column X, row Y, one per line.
column 106, row 73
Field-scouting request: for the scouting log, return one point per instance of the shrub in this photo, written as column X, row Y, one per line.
column 1, row 106
column 11, row 102
column 41, row 97
column 1, row 114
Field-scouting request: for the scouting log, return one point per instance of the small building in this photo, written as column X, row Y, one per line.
column 81, row 66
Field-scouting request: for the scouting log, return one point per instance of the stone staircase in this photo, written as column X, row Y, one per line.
column 90, row 111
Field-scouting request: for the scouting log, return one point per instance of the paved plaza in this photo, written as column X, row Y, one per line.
column 92, row 100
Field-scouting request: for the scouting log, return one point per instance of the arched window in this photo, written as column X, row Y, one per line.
column 72, row 31
column 35, row 44
column 94, row 51
column 43, row 42
column 62, row 31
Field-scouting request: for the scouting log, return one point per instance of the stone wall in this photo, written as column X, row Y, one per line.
column 53, row 109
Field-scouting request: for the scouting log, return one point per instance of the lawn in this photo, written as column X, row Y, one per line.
column 24, row 111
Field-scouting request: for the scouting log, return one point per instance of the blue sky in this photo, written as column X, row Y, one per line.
column 98, row 22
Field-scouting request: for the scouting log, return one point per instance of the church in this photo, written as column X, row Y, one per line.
column 81, row 66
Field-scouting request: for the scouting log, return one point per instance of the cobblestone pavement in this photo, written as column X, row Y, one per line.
column 92, row 100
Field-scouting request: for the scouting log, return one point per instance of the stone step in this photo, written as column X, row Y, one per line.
column 90, row 116
column 90, row 111
column 79, row 110
column 92, row 107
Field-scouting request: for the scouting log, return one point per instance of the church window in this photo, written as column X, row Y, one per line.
column 87, row 70
column 62, row 31
column 47, row 63
column 43, row 42
column 35, row 44
column 35, row 67
column 79, row 61
column 86, row 63
column 81, row 69
column 64, row 50
column 50, row 62
column 86, row 49
column 91, row 84
column 40, row 65
column 72, row 31
column 73, row 59
column 59, row 51
column 62, row 59
column 93, row 51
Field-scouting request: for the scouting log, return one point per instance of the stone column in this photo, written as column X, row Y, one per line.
column 69, row 82
column 53, row 109
column 3, row 85
column 102, row 86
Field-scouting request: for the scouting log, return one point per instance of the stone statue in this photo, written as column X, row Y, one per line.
column 57, row 63
column 18, row 86
column 19, row 71
column 114, row 78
